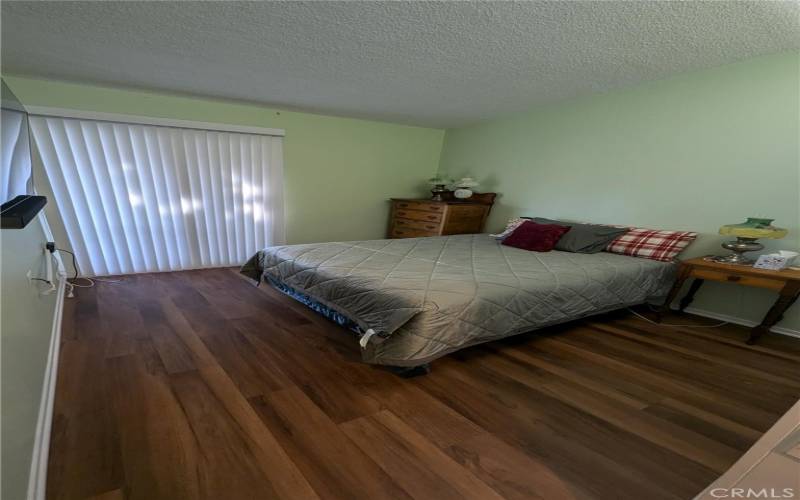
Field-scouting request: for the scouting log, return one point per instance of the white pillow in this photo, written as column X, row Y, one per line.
column 510, row 227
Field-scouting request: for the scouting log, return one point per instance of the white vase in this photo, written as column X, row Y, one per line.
column 462, row 193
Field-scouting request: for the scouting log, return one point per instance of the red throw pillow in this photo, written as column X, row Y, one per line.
column 537, row 237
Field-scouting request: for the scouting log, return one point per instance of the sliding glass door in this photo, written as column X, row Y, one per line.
column 142, row 198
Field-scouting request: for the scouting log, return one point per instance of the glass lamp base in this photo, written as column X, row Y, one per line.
column 739, row 246
column 735, row 258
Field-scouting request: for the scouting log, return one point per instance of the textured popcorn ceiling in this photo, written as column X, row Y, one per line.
column 425, row 63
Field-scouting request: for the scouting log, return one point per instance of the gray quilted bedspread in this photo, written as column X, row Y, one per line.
column 426, row 297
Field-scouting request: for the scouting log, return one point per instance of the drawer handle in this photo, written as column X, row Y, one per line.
column 734, row 278
column 430, row 227
column 431, row 217
column 402, row 205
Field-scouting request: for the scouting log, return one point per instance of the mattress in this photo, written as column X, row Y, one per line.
column 423, row 298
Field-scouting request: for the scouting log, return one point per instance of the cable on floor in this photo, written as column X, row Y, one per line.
column 91, row 281
column 717, row 325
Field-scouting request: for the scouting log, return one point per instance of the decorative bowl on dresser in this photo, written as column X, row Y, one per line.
column 414, row 218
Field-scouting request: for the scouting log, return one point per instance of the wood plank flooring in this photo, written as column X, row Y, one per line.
column 198, row 385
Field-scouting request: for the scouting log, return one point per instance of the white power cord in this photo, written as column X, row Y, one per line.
column 72, row 285
column 682, row 326
column 90, row 285
column 92, row 281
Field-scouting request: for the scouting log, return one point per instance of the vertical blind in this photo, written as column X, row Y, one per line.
column 15, row 168
column 142, row 198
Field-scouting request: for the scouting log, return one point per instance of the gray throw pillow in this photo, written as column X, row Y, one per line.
column 584, row 238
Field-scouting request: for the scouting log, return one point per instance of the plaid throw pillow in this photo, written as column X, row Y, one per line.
column 651, row 244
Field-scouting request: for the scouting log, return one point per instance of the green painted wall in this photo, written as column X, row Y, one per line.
column 26, row 325
column 339, row 172
column 691, row 152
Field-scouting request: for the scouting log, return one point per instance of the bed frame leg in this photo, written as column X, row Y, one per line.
column 410, row 371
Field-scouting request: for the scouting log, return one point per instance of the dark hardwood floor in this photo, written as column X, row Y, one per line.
column 199, row 385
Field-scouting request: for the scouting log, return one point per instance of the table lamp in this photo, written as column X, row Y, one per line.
column 464, row 187
column 439, row 184
column 746, row 235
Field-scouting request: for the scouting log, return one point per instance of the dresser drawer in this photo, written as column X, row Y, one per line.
column 419, row 205
column 412, row 218
column 411, row 233
column 415, row 224
column 417, row 215
column 714, row 275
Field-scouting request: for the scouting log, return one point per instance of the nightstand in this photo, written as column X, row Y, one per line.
column 786, row 282
column 414, row 218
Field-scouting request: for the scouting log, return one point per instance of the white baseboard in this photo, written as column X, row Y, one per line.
column 37, row 479
column 741, row 321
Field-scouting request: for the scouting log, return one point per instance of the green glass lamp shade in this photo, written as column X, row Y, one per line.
column 746, row 235
column 754, row 228
column 439, row 181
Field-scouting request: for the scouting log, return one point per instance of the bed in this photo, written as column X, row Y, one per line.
column 417, row 299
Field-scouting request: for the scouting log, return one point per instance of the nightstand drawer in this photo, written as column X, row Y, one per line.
column 714, row 275
column 785, row 282
column 415, row 224
column 418, row 215
column 419, row 205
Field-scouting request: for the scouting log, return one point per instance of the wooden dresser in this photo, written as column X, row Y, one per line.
column 413, row 218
